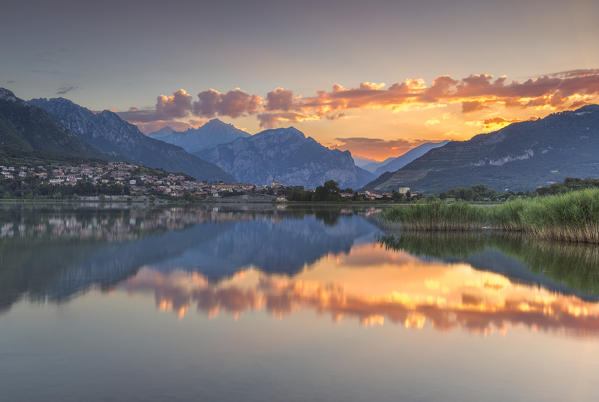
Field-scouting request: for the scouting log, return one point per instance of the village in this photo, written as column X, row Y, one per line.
column 140, row 180
column 143, row 182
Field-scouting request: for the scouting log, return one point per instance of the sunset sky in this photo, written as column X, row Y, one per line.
column 375, row 77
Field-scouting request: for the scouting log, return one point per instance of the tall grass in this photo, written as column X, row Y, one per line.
column 572, row 216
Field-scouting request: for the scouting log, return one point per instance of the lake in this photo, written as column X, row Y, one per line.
column 261, row 303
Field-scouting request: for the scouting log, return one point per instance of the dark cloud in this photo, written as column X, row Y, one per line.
column 336, row 116
column 234, row 103
column 175, row 106
column 576, row 73
column 279, row 99
column 210, row 103
column 472, row 106
column 65, row 89
column 47, row 71
column 178, row 105
column 207, row 104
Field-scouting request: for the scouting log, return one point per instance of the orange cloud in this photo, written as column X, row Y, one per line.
column 375, row 147
column 432, row 122
column 496, row 123
column 270, row 120
column 474, row 93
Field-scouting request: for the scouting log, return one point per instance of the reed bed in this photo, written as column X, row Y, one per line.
column 570, row 217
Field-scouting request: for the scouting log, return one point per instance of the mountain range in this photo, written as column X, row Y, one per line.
column 59, row 126
column 521, row 156
column 28, row 128
column 394, row 163
column 211, row 134
column 287, row 156
column 107, row 132
column 61, row 267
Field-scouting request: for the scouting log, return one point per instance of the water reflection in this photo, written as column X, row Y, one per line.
column 55, row 254
column 392, row 286
column 559, row 266
column 334, row 262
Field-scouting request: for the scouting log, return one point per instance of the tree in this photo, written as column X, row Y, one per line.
column 329, row 191
column 332, row 186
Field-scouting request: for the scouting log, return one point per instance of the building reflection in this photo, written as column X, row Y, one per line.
column 57, row 254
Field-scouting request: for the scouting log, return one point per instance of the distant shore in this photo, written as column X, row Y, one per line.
column 223, row 201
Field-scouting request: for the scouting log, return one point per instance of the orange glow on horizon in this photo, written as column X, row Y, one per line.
column 409, row 112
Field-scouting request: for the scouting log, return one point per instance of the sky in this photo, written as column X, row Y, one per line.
column 376, row 77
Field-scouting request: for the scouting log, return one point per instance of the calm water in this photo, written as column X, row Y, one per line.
column 267, row 304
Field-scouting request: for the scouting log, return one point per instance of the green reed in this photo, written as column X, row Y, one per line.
column 571, row 217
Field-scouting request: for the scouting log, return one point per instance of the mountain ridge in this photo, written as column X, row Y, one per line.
column 286, row 155
column 209, row 135
column 109, row 133
column 520, row 156
column 29, row 128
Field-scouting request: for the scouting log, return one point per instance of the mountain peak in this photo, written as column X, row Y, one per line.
column 113, row 118
column 60, row 99
column 193, row 140
column 8, row 95
column 216, row 122
column 60, row 106
column 55, row 101
column 30, row 128
column 165, row 130
column 287, row 155
column 288, row 132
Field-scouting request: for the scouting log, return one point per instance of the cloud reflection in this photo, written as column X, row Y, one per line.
column 402, row 290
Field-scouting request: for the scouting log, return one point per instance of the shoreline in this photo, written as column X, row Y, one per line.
column 162, row 202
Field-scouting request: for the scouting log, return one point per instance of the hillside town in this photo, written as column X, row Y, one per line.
column 138, row 180
column 142, row 182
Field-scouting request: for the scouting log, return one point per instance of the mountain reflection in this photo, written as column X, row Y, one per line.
column 559, row 266
column 55, row 254
column 394, row 286
column 280, row 260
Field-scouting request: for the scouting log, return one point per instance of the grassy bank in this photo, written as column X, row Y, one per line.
column 572, row 217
